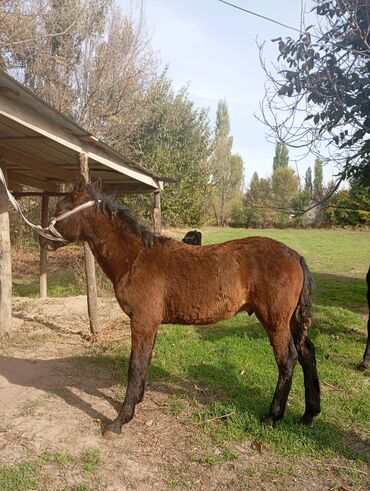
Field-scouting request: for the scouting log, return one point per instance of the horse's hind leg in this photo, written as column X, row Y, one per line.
column 366, row 359
column 143, row 335
column 286, row 358
column 307, row 359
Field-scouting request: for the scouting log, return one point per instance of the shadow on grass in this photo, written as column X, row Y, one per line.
column 243, row 327
column 340, row 291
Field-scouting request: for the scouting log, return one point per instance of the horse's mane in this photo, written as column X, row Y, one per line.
column 111, row 207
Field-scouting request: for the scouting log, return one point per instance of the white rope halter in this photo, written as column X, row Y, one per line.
column 49, row 232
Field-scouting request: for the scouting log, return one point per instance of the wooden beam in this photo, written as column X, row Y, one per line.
column 5, row 262
column 25, row 194
column 21, row 138
column 157, row 213
column 9, row 93
column 43, row 250
column 41, row 166
column 88, row 139
column 14, row 187
column 92, row 292
column 125, row 188
column 30, row 181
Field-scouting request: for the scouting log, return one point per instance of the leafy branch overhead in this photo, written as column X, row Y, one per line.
column 319, row 96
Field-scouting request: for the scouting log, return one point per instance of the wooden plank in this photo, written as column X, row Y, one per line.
column 21, row 138
column 92, row 292
column 19, row 178
column 157, row 213
column 9, row 93
column 5, row 262
column 24, row 194
column 43, row 251
column 41, row 166
column 14, row 187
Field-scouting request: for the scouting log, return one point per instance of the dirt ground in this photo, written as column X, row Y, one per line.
column 53, row 402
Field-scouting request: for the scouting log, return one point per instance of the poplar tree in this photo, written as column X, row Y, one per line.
column 308, row 182
column 281, row 158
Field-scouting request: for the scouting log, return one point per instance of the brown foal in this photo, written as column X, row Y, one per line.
column 159, row 280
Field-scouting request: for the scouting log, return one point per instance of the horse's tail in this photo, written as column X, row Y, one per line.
column 303, row 313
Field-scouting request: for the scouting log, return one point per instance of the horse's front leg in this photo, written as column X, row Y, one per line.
column 143, row 335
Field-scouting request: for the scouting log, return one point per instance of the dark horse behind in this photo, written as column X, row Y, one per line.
column 366, row 358
column 159, row 280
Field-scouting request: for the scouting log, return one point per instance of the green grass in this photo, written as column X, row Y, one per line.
column 27, row 476
column 229, row 369
column 59, row 285
column 20, row 477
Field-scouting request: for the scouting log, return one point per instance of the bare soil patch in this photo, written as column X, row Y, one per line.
column 26, row 264
column 54, row 402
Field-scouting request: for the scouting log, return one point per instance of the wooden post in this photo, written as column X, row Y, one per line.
column 92, row 295
column 43, row 251
column 5, row 262
column 157, row 212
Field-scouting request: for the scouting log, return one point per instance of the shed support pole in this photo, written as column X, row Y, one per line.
column 92, row 295
column 5, row 262
column 157, row 212
column 43, row 251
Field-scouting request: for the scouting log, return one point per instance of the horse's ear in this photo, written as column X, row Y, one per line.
column 97, row 185
column 80, row 186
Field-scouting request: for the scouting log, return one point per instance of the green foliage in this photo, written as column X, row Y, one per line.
column 285, row 189
column 327, row 75
column 308, row 187
column 174, row 141
column 225, row 169
column 349, row 207
column 281, row 157
column 257, row 203
column 318, row 177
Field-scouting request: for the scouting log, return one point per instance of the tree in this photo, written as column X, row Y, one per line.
column 308, row 188
column 281, row 158
column 257, row 203
column 285, row 188
column 224, row 180
column 318, row 187
column 349, row 207
column 325, row 74
column 84, row 57
column 174, row 140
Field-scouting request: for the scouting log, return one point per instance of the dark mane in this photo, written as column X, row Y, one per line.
column 111, row 207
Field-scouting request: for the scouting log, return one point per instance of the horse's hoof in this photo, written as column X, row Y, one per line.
column 307, row 420
column 111, row 432
column 363, row 367
column 267, row 422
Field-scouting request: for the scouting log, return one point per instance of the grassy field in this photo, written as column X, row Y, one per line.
column 222, row 378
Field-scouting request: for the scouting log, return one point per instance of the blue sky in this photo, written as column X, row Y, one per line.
column 212, row 47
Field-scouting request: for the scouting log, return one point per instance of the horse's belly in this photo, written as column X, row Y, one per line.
column 202, row 311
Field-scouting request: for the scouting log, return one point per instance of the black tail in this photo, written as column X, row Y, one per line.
column 304, row 308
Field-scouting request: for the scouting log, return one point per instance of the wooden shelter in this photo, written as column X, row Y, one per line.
column 43, row 149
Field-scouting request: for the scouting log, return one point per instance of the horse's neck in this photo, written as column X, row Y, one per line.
column 113, row 243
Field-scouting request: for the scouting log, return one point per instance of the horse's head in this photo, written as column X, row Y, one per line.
column 70, row 228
